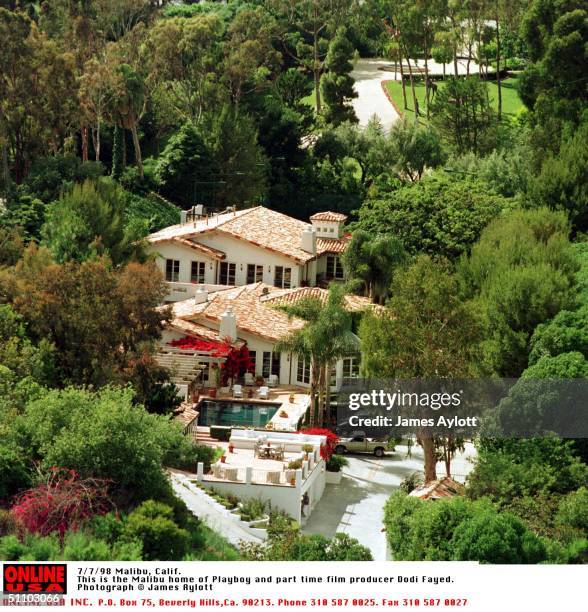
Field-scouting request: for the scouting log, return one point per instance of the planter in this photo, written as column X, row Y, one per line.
column 212, row 392
column 223, row 459
column 333, row 478
column 291, row 476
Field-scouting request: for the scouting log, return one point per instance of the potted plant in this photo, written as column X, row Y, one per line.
column 291, row 398
column 231, row 447
column 223, row 458
column 250, row 393
column 283, row 414
column 334, row 467
column 291, row 470
column 307, row 449
column 259, row 381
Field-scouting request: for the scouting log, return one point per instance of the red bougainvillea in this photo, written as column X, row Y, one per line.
column 327, row 449
column 217, row 348
column 61, row 503
column 238, row 362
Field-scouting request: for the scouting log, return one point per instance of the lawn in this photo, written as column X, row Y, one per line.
column 511, row 103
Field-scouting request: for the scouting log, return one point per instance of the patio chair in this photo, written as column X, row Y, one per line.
column 237, row 391
column 273, row 380
column 249, row 379
column 279, row 452
column 263, row 392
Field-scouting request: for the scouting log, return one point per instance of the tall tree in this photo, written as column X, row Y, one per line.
column 337, row 83
column 428, row 331
column 326, row 337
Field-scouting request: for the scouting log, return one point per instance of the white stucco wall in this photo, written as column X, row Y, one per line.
column 242, row 253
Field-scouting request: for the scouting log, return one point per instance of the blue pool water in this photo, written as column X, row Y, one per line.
column 216, row 412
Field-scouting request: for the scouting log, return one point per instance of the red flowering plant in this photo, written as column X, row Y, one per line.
column 238, row 362
column 217, row 348
column 328, row 448
column 61, row 503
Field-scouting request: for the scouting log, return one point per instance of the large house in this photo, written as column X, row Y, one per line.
column 242, row 247
column 248, row 314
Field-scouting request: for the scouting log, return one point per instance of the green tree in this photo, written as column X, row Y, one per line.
column 566, row 332
column 336, row 82
column 89, row 221
column 429, row 331
column 239, row 163
column 415, row 148
column 439, row 215
column 184, row 168
column 326, row 337
column 370, row 261
column 562, row 182
column 522, row 273
column 463, row 117
column 104, row 435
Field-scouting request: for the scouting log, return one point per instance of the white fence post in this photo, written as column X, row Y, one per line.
column 199, row 471
column 248, row 474
column 298, row 479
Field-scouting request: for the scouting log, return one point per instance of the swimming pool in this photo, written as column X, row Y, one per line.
column 217, row 412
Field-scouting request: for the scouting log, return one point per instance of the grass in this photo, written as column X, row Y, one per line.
column 511, row 102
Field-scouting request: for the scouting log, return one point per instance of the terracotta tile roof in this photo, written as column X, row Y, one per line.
column 185, row 414
column 253, row 315
column 442, row 488
column 354, row 303
column 271, row 231
column 265, row 228
column 328, row 216
column 196, row 246
column 331, row 245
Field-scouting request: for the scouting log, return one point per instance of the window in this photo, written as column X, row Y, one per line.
column 334, row 267
column 172, row 270
column 351, row 367
column 198, row 271
column 254, row 274
column 283, row 277
column 303, row 370
column 253, row 358
column 270, row 364
column 226, row 274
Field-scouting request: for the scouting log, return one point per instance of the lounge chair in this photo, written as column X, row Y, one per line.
column 263, row 392
column 237, row 391
column 249, row 379
column 273, row 380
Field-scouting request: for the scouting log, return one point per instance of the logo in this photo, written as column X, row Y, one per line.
column 35, row 578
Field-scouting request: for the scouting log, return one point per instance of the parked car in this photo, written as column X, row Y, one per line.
column 361, row 444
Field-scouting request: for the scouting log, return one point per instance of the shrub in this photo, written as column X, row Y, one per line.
column 252, row 509
column 491, row 537
column 295, row 465
column 411, row 482
column 332, row 439
column 61, row 503
column 336, row 463
column 152, row 524
column 573, row 510
column 219, row 432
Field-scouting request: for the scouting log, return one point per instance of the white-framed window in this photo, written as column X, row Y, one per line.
column 198, row 271
column 283, row 277
column 303, row 370
column 351, row 367
column 226, row 274
column 334, row 267
column 172, row 270
column 254, row 273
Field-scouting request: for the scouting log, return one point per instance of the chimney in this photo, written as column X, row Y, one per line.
column 200, row 296
column 308, row 240
column 228, row 325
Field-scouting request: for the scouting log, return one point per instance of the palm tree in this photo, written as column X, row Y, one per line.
column 325, row 338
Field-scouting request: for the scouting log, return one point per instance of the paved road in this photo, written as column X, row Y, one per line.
column 371, row 98
column 356, row 506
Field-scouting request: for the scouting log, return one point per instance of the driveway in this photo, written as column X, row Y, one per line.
column 371, row 98
column 356, row 505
